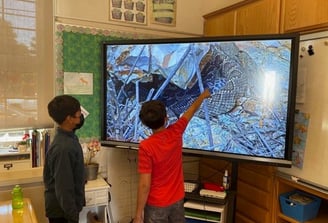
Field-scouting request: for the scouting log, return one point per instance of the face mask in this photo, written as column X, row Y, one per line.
column 78, row 126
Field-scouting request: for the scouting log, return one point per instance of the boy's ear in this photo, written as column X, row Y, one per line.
column 166, row 120
column 68, row 118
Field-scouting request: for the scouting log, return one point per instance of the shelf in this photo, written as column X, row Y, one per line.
column 15, row 157
column 204, row 206
column 202, row 215
column 208, row 212
column 284, row 185
column 207, row 209
column 197, row 197
column 321, row 218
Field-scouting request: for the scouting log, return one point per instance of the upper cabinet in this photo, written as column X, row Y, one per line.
column 246, row 18
column 222, row 24
column 252, row 17
column 302, row 15
column 259, row 17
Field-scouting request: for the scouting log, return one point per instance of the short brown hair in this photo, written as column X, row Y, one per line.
column 62, row 106
column 152, row 114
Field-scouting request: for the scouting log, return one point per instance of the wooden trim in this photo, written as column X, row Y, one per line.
column 302, row 187
column 308, row 29
column 229, row 8
column 282, row 17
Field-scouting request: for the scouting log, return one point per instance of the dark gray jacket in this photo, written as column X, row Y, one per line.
column 64, row 178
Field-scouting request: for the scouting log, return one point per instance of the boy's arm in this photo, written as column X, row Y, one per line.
column 196, row 104
column 143, row 191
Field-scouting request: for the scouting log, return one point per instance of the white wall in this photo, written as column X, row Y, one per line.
column 95, row 13
column 122, row 175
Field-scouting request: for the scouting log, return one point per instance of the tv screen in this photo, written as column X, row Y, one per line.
column 252, row 80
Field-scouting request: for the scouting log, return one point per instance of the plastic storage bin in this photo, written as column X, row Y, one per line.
column 299, row 205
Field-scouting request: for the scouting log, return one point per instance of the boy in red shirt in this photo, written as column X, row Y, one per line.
column 161, row 183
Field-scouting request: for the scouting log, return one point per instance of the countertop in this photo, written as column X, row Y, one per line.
column 32, row 175
column 97, row 184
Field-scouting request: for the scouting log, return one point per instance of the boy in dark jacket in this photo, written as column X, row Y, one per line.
column 63, row 172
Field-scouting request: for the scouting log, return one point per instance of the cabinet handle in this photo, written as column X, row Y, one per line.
column 7, row 165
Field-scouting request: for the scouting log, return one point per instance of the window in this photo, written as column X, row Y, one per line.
column 26, row 63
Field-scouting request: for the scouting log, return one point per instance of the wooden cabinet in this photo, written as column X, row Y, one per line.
column 246, row 18
column 268, row 17
column 299, row 15
column 285, row 184
column 221, row 24
column 15, row 160
column 255, row 188
column 260, row 17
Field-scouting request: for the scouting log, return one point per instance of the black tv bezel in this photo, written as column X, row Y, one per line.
column 281, row 162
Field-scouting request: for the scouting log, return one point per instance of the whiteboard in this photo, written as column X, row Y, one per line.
column 312, row 98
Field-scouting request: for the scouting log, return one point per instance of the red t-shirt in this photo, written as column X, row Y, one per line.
column 161, row 156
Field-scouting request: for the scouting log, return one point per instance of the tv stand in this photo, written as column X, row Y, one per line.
column 208, row 209
column 211, row 209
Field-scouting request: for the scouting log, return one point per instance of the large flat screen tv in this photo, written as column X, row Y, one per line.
column 252, row 80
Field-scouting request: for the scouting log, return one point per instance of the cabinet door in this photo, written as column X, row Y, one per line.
column 220, row 24
column 254, row 193
column 304, row 14
column 259, row 17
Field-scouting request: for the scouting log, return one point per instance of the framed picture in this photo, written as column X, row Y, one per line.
column 134, row 11
column 163, row 12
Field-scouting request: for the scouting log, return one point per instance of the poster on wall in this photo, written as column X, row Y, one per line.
column 163, row 12
column 78, row 83
column 300, row 135
column 132, row 11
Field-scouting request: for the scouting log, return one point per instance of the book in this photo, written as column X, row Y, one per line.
column 300, row 198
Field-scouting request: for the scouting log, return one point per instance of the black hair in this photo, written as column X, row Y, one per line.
column 62, row 106
column 152, row 114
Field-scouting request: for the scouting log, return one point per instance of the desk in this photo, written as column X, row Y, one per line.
column 26, row 214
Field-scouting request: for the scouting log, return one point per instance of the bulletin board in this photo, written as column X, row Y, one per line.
column 78, row 49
